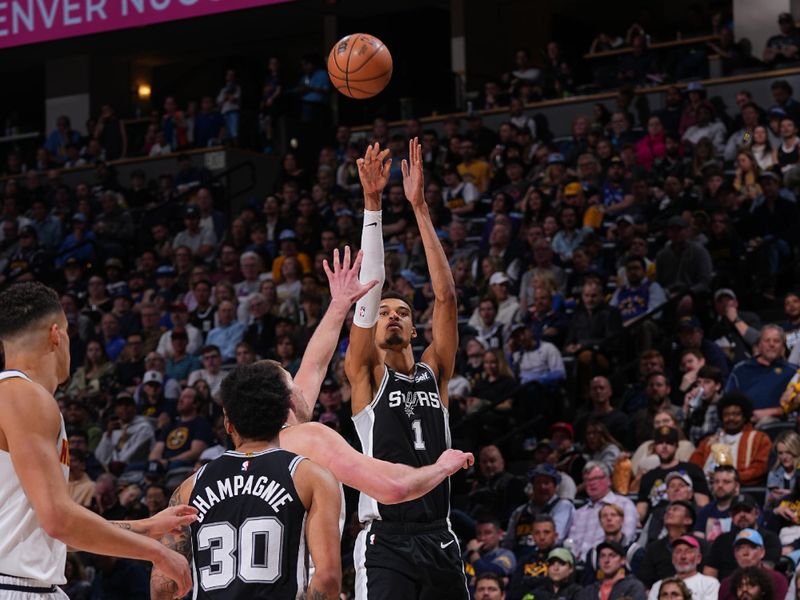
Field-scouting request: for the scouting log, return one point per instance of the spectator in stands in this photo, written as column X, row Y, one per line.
column 652, row 146
column 535, row 360
column 483, row 553
column 495, row 490
column 764, row 377
column 229, row 100
column 559, row 580
column 738, row 139
column 737, row 442
column 653, row 487
column 706, row 125
column 619, row 132
column 228, row 332
column 734, row 331
column 211, row 372
column 209, row 126
column 584, row 531
column 600, row 445
column 180, row 364
column 79, row 486
column 128, row 437
column 700, row 403
column 473, row 169
column 748, row 548
column 543, row 500
column 783, row 476
column 180, row 444
column 686, row 557
column 714, row 519
column 95, row 374
column 657, row 399
column 489, row 586
column 532, row 564
column 783, row 47
column 682, row 263
column 784, row 100
column 47, row 226
column 614, row 580
column 602, row 410
column 58, row 139
column 657, row 560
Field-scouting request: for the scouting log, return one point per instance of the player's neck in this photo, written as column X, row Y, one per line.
column 250, row 446
column 40, row 370
column 401, row 361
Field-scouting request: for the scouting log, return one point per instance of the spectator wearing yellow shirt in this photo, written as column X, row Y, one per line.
column 473, row 169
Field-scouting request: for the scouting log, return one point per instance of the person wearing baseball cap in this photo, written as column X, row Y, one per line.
column 748, row 548
column 559, row 581
column 722, row 560
column 128, row 436
column 687, row 554
column 545, row 480
column 570, row 459
column 613, row 578
column 653, row 488
column 734, row 326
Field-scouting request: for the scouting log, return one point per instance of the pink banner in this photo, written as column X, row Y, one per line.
column 31, row 21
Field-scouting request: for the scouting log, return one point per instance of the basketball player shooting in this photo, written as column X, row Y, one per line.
column 38, row 519
column 405, row 550
column 391, row 482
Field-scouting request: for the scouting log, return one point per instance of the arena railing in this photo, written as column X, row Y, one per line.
column 561, row 111
column 654, row 47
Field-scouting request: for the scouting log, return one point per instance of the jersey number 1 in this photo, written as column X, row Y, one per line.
column 221, row 539
column 416, row 427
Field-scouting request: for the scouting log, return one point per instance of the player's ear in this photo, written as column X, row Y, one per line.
column 413, row 332
column 227, row 424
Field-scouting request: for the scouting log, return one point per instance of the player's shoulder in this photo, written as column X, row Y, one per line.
column 20, row 392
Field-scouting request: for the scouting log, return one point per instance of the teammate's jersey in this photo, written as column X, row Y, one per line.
column 26, row 551
column 406, row 423
column 249, row 537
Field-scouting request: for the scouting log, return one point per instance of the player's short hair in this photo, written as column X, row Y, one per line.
column 398, row 296
column 256, row 399
column 24, row 306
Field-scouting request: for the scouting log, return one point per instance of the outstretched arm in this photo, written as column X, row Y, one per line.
column 345, row 289
column 179, row 540
column 362, row 356
column 29, row 421
column 441, row 354
column 388, row 483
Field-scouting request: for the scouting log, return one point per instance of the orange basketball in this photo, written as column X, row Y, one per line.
column 360, row 65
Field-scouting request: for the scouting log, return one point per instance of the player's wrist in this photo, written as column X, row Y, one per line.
column 372, row 201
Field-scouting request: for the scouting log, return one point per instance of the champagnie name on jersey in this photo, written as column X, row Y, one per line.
column 270, row 492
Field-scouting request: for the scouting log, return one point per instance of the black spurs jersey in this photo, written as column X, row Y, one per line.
column 406, row 423
column 249, row 537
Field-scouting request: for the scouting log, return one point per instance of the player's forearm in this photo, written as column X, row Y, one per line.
column 441, row 275
column 410, row 483
column 82, row 529
column 372, row 201
column 320, row 349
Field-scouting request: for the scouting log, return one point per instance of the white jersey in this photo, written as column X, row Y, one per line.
column 26, row 551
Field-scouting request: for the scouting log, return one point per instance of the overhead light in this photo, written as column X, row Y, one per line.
column 144, row 91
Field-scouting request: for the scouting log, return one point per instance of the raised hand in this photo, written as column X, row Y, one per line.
column 343, row 279
column 455, row 460
column 373, row 170
column 413, row 178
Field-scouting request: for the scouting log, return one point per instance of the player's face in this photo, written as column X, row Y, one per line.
column 395, row 323
column 298, row 401
column 62, row 350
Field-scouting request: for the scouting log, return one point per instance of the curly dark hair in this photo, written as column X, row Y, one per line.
column 24, row 305
column 736, row 399
column 256, row 399
column 753, row 576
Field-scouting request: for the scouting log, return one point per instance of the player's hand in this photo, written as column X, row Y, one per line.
column 343, row 280
column 170, row 518
column 455, row 460
column 413, row 178
column 175, row 567
column 373, row 170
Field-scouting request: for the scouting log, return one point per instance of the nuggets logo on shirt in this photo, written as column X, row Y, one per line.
column 63, row 455
column 177, row 437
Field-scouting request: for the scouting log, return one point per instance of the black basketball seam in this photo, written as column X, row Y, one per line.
column 347, row 68
column 384, row 74
column 336, row 55
column 378, row 49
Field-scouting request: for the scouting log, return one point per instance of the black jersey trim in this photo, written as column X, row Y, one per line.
column 381, row 388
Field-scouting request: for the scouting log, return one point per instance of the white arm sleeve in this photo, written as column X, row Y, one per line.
column 371, row 268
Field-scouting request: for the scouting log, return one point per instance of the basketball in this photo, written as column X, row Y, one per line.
column 360, row 66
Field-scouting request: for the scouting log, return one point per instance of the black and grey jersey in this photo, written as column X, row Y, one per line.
column 249, row 537
column 406, row 423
